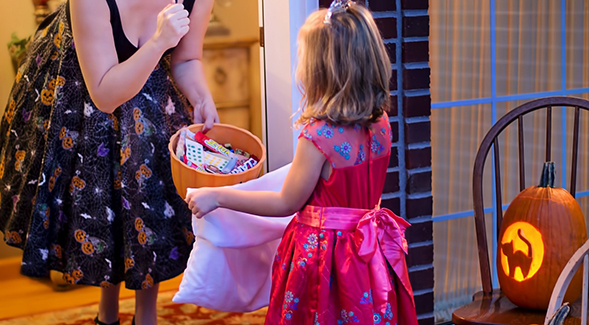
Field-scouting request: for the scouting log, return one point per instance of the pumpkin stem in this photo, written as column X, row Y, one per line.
column 547, row 179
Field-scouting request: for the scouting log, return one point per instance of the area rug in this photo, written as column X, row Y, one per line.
column 169, row 313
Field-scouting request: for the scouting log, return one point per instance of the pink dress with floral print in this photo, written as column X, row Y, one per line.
column 342, row 258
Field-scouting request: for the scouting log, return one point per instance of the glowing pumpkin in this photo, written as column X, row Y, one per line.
column 541, row 230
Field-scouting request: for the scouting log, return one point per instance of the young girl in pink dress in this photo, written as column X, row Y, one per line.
column 342, row 258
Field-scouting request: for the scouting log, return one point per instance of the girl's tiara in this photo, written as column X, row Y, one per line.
column 335, row 7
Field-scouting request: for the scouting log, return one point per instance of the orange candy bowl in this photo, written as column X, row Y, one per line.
column 186, row 177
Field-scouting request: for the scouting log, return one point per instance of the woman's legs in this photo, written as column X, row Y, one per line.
column 146, row 306
column 108, row 308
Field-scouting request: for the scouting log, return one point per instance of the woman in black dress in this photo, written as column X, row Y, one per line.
column 85, row 179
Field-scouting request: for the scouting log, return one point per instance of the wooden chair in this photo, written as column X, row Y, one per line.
column 490, row 306
column 562, row 284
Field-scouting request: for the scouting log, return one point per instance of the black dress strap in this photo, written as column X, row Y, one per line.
column 125, row 49
column 122, row 44
column 188, row 5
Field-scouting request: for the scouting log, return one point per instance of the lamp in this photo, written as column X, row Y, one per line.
column 41, row 10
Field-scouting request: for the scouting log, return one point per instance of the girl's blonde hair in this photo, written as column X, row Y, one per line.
column 344, row 70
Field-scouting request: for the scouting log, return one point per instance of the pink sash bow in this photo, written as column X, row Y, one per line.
column 382, row 228
column 373, row 229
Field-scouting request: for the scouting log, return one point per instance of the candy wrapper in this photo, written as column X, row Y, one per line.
column 199, row 151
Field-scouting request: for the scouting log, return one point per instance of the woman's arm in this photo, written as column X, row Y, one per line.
column 298, row 187
column 109, row 83
column 187, row 66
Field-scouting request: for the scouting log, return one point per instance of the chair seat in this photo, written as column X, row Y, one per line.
column 497, row 309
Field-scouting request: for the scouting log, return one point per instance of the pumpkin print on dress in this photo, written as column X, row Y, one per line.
column 77, row 274
column 541, row 229
column 105, row 284
column 14, row 237
column 80, row 236
column 53, row 179
column 129, row 263
column 47, row 96
column 46, row 218
column 77, row 184
column 9, row 114
column 68, row 278
column 56, row 250
column 20, row 157
column 147, row 283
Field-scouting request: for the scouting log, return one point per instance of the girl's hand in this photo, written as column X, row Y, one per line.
column 202, row 201
column 206, row 112
column 172, row 25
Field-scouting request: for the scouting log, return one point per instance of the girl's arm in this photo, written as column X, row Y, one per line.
column 109, row 82
column 187, row 67
column 298, row 186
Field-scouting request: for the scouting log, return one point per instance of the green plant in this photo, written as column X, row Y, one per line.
column 17, row 47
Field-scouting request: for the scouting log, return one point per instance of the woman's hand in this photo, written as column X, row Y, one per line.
column 202, row 201
column 172, row 25
column 206, row 112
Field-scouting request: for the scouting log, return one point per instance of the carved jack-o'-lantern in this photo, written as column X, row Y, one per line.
column 541, row 230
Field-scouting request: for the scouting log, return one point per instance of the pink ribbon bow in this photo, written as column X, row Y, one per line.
column 382, row 227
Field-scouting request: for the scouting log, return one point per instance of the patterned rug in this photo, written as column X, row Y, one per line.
column 169, row 313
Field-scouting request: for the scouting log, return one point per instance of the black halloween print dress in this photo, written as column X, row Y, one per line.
column 84, row 192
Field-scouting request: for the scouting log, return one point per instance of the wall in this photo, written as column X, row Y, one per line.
column 241, row 17
column 22, row 21
column 404, row 25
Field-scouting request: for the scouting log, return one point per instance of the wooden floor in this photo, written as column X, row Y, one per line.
column 21, row 295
